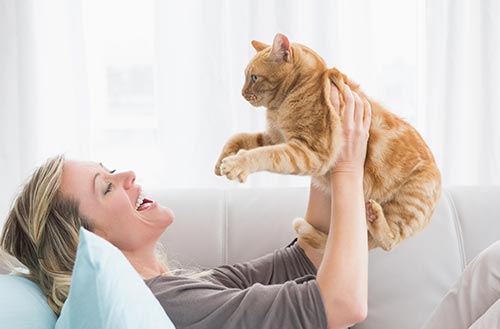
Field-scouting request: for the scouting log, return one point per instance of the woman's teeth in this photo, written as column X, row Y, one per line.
column 139, row 201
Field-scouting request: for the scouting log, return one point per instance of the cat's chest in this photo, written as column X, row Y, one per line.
column 274, row 128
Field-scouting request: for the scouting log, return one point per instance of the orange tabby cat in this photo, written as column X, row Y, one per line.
column 304, row 136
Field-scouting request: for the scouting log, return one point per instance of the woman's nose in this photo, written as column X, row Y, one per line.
column 128, row 179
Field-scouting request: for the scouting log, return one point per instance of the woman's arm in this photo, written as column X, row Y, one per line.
column 318, row 214
column 319, row 209
column 319, row 206
column 343, row 270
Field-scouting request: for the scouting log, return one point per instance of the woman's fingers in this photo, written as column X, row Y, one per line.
column 334, row 96
column 356, row 123
column 349, row 108
column 367, row 115
column 358, row 110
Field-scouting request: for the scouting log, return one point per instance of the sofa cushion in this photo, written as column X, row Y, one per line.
column 477, row 212
column 406, row 283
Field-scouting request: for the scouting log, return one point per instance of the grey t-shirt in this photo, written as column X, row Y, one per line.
column 278, row 290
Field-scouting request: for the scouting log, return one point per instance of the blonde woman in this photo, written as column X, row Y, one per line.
column 307, row 289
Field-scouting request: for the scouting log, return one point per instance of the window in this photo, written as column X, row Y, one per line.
column 119, row 39
column 149, row 120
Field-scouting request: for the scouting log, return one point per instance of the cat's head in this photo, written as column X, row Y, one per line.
column 272, row 65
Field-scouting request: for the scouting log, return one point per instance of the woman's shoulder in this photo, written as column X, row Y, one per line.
column 181, row 279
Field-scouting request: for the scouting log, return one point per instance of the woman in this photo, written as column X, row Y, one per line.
column 295, row 287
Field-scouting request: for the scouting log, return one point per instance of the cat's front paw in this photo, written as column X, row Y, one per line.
column 236, row 167
column 217, row 169
column 231, row 148
column 224, row 154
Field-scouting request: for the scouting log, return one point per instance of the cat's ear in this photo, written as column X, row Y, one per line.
column 281, row 48
column 259, row 45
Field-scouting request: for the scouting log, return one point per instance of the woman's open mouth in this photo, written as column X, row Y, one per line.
column 143, row 203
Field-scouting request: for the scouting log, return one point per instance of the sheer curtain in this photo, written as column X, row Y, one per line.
column 462, row 83
column 204, row 47
column 43, row 102
column 154, row 85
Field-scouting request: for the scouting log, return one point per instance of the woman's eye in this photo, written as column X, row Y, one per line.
column 112, row 171
column 108, row 189
column 253, row 77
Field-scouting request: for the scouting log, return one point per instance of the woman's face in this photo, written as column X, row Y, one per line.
column 110, row 201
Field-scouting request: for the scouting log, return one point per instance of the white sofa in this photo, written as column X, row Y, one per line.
column 216, row 226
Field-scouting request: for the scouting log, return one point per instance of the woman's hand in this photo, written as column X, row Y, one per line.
column 356, row 122
column 343, row 272
column 356, row 119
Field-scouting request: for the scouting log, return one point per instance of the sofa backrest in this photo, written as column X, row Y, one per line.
column 216, row 226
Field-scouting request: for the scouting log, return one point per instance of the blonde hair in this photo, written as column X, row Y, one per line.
column 41, row 232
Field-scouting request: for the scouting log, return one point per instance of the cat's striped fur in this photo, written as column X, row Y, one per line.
column 304, row 136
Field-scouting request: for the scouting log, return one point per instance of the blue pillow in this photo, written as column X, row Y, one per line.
column 107, row 292
column 23, row 305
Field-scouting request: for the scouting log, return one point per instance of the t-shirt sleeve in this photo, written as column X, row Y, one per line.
column 282, row 265
column 192, row 303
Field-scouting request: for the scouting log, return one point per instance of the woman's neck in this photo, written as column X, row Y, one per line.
column 146, row 263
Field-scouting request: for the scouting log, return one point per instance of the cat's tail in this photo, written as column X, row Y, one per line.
column 309, row 234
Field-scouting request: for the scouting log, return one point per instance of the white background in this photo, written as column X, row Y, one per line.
column 154, row 86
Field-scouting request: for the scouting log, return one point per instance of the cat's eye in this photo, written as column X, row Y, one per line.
column 253, row 77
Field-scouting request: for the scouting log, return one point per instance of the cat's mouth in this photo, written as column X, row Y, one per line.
column 251, row 98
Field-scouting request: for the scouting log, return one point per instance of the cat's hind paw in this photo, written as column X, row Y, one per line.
column 373, row 211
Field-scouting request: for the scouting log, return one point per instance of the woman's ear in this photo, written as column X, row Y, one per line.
column 281, row 48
